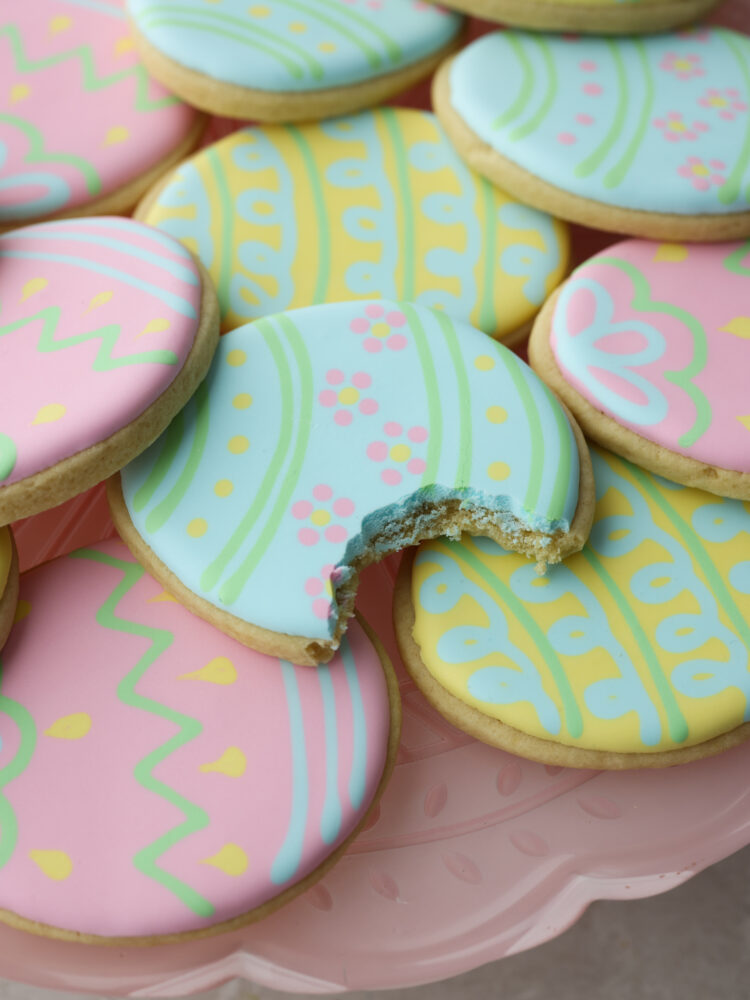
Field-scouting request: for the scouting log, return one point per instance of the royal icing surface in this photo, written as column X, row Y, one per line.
column 291, row 45
column 97, row 317
column 79, row 117
column 656, row 124
column 318, row 428
column 658, row 338
column 376, row 204
column 6, row 557
column 639, row 643
column 183, row 781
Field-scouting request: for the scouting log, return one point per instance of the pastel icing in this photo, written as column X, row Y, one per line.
column 637, row 335
column 317, row 429
column 657, row 123
column 97, row 317
column 639, row 643
column 79, row 117
column 6, row 557
column 185, row 780
column 295, row 45
column 376, row 204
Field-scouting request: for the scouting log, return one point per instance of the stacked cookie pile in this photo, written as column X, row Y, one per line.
column 369, row 274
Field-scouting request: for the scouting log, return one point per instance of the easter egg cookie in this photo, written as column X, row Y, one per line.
column 8, row 583
column 589, row 16
column 290, row 60
column 83, row 129
column 185, row 786
column 649, row 345
column 647, row 136
column 327, row 437
column 377, row 204
column 635, row 652
column 106, row 329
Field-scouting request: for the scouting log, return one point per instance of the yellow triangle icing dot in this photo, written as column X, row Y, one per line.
column 19, row 91
column 32, row 287
column 60, row 23
column 70, row 727
column 124, row 44
column 231, row 860
column 54, row 864
column 99, row 300
column 49, row 414
column 745, row 421
column 163, row 596
column 232, row 762
column 672, row 252
column 154, row 326
column 220, row 670
column 739, row 326
column 115, row 135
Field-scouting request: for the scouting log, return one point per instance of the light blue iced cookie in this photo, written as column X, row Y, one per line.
column 325, row 438
column 647, row 136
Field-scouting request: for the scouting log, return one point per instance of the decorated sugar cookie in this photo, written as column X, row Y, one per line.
column 83, row 129
column 373, row 205
column 8, row 582
column 635, row 652
column 325, row 438
column 591, row 16
column 287, row 60
column 106, row 328
column 186, row 784
column 649, row 345
column 638, row 135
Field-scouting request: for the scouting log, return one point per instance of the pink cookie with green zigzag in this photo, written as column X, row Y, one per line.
column 82, row 127
column 157, row 778
column 649, row 345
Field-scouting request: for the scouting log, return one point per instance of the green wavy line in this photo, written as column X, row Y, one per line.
column 730, row 190
column 408, row 255
column 8, row 456
column 463, row 473
column 172, row 439
column 527, row 85
column 38, row 154
column 12, row 770
column 536, row 463
column 103, row 362
column 618, row 173
column 434, row 406
column 642, row 301
column 213, row 573
column 189, row 729
column 322, row 218
column 487, row 314
column 226, row 226
column 233, row 587
column 164, row 510
column 523, row 130
column 732, row 262
column 562, row 476
column 391, row 46
column 595, row 159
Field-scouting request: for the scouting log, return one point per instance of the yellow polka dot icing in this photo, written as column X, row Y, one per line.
column 640, row 643
column 377, row 205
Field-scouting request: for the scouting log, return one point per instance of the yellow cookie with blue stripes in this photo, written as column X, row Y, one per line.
column 291, row 60
column 367, row 206
column 635, row 652
column 8, row 582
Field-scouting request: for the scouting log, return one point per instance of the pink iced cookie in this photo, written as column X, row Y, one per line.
column 82, row 127
column 649, row 346
column 106, row 329
column 160, row 777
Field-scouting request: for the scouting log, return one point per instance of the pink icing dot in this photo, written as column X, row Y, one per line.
column 417, row 466
column 418, row 434
column 588, row 66
column 396, row 318
column 359, row 325
column 343, row 507
column 343, row 418
column 320, row 608
column 396, row 342
column 302, row 509
column 327, row 571
column 583, row 119
column 322, row 492
column 334, row 376
column 567, row 139
column 368, row 407
column 377, row 451
column 373, row 346
column 592, row 89
column 336, row 533
column 393, row 429
column 374, row 311
column 308, row 536
column 391, row 477
column 328, row 397
column 362, row 380
column 313, row 586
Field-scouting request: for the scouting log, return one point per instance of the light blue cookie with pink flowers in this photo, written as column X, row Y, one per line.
column 648, row 136
column 325, row 438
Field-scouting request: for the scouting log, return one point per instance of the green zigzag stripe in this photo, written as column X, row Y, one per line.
column 195, row 818
column 103, row 362
column 16, row 767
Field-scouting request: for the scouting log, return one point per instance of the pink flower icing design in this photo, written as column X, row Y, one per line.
column 701, row 174
column 347, row 395
column 683, row 67
column 674, row 128
column 321, row 589
column 322, row 514
column 381, row 328
column 401, row 452
column 727, row 103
